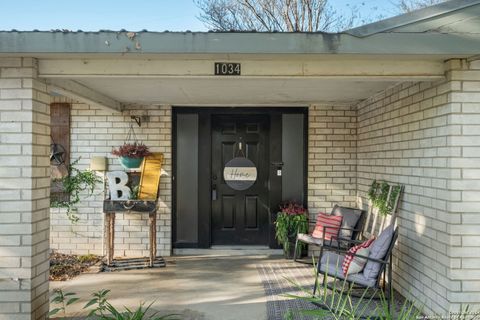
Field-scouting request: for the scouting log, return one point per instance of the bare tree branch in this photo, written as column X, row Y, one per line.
column 272, row 15
column 290, row 15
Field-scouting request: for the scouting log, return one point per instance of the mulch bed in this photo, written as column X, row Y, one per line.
column 66, row 266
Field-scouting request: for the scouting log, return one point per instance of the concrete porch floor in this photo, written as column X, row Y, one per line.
column 198, row 287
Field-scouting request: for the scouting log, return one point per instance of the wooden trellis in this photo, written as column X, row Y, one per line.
column 375, row 222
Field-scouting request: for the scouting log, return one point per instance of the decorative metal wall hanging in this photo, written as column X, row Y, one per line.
column 57, row 153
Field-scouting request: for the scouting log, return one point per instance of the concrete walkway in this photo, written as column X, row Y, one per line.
column 198, row 287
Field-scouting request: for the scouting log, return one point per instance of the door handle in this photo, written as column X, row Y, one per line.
column 214, row 192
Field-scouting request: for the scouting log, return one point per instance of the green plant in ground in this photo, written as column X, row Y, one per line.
column 100, row 301
column 62, row 300
column 105, row 311
column 102, row 309
column 291, row 219
column 73, row 183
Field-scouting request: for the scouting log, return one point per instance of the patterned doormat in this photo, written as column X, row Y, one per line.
column 277, row 281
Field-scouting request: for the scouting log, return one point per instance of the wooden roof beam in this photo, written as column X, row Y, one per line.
column 77, row 91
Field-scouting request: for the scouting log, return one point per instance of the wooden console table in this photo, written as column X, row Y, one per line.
column 111, row 207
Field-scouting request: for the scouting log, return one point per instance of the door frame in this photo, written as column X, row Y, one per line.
column 204, row 165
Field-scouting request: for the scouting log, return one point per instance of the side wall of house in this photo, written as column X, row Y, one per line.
column 402, row 137
column 423, row 135
column 94, row 132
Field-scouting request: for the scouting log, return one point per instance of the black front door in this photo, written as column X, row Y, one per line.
column 240, row 217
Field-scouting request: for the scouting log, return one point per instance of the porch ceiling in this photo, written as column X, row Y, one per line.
column 235, row 91
column 265, row 80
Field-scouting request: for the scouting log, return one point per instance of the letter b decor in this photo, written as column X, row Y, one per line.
column 117, row 183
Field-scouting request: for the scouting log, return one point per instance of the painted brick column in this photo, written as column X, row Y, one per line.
column 464, row 209
column 24, row 190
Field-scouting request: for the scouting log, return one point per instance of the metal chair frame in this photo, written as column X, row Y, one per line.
column 385, row 271
column 356, row 233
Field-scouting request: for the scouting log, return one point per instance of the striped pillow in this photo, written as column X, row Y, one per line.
column 332, row 223
column 349, row 257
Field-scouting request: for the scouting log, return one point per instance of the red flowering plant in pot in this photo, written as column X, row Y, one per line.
column 131, row 154
column 291, row 220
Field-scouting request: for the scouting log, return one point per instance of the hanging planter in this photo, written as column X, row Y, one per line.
column 130, row 163
column 131, row 155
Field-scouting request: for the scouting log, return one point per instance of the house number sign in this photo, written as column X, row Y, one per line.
column 227, row 69
column 240, row 173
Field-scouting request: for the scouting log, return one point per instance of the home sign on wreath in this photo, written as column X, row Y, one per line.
column 240, row 173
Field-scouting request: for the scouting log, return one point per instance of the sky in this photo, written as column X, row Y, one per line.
column 136, row 15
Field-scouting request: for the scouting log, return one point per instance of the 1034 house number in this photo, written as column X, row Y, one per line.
column 227, row 69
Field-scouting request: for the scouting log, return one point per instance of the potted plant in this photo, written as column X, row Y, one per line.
column 291, row 220
column 131, row 154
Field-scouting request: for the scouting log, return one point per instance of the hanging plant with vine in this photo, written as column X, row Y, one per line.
column 73, row 184
column 378, row 195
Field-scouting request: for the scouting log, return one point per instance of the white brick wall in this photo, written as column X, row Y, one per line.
column 24, row 190
column 420, row 135
column 94, row 132
column 331, row 157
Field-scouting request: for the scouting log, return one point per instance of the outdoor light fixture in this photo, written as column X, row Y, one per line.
column 98, row 164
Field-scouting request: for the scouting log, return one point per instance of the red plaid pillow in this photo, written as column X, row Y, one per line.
column 350, row 254
column 332, row 223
